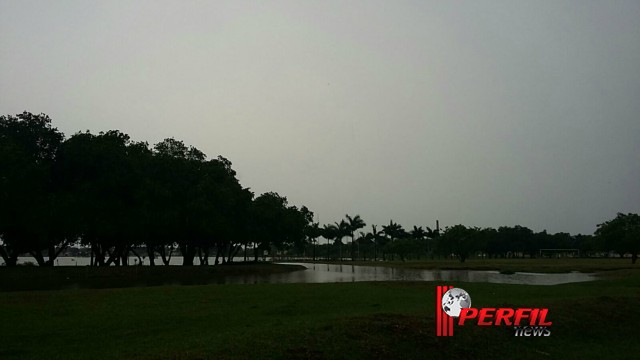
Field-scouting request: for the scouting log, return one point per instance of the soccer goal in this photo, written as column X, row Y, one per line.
column 559, row 253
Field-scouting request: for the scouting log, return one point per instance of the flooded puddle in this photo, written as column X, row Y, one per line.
column 329, row 273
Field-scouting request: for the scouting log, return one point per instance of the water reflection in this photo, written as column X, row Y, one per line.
column 329, row 273
column 322, row 273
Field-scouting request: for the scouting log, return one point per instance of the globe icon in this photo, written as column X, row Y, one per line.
column 454, row 300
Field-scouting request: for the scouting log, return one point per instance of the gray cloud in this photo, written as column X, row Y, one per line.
column 482, row 113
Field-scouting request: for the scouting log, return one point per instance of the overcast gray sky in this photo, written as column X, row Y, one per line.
column 484, row 113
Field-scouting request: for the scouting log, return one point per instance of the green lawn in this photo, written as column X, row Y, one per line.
column 595, row 320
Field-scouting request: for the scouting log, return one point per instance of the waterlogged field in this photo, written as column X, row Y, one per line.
column 592, row 320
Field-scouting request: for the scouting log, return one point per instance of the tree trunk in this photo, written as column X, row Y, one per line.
column 328, row 250
column 116, row 256
column 152, row 255
column 353, row 249
column 230, row 253
column 124, row 255
column 166, row 259
column 53, row 253
column 236, row 250
column 39, row 258
column 255, row 251
column 375, row 251
column 4, row 255
column 218, row 250
column 138, row 256
column 99, row 255
column 200, row 256
column 205, row 256
column 188, row 253
column 11, row 260
column 92, row 250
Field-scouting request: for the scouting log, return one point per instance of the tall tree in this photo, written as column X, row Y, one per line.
column 277, row 224
column 364, row 242
column 393, row 231
column 420, row 235
column 621, row 234
column 354, row 224
column 330, row 232
column 177, row 170
column 102, row 183
column 29, row 218
column 459, row 240
column 342, row 231
column 375, row 236
column 313, row 232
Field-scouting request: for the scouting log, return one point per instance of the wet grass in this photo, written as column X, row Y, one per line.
column 592, row 320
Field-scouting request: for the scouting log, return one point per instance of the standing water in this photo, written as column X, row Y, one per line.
column 331, row 273
column 319, row 273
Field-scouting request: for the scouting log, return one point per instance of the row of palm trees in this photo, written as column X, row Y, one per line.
column 348, row 227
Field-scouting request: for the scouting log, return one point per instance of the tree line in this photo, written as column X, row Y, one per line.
column 112, row 194
column 619, row 236
column 116, row 196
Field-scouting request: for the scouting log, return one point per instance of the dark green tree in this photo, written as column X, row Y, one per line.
column 376, row 237
column 277, row 224
column 313, row 232
column 354, row 224
column 330, row 232
column 621, row 234
column 421, row 236
column 459, row 241
column 101, row 183
column 30, row 217
column 392, row 232
column 342, row 230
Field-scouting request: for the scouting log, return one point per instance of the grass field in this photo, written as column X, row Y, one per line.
column 593, row 320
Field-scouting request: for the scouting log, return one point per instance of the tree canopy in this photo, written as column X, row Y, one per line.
column 115, row 195
column 621, row 234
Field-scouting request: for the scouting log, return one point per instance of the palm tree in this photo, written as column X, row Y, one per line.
column 431, row 234
column 418, row 234
column 375, row 234
column 342, row 231
column 329, row 232
column 393, row 231
column 354, row 223
column 367, row 237
column 313, row 233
